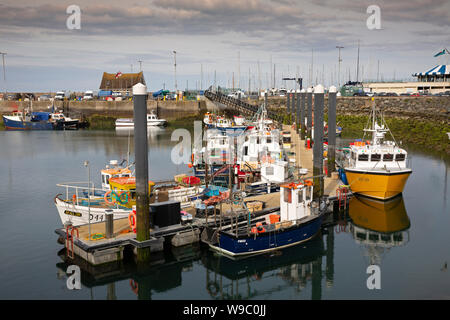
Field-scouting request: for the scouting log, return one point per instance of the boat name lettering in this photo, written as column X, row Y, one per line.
column 71, row 213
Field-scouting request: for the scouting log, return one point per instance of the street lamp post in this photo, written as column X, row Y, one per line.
column 175, row 69
column 4, row 72
column 339, row 67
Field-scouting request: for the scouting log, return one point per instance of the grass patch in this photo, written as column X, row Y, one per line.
column 430, row 135
column 98, row 122
column 185, row 122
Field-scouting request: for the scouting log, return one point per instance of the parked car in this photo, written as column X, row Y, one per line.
column 391, row 94
column 404, row 94
column 360, row 94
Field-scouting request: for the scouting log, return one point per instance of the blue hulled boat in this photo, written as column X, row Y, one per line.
column 28, row 121
column 299, row 220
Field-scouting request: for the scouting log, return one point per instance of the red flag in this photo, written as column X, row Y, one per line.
column 118, row 74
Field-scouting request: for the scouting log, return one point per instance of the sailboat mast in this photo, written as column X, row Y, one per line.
column 373, row 121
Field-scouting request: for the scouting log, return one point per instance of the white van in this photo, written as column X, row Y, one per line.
column 88, row 95
column 60, row 95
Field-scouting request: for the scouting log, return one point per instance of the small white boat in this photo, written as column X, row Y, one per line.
column 152, row 120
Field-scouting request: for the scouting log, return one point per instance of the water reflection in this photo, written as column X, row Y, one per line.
column 152, row 132
column 162, row 273
column 378, row 226
column 241, row 279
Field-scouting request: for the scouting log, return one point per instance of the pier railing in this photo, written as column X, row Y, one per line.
column 237, row 104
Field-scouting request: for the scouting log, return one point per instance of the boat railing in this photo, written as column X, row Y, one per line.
column 78, row 187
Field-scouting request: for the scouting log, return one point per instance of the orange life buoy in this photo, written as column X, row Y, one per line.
column 106, row 198
column 308, row 183
column 260, row 228
column 132, row 220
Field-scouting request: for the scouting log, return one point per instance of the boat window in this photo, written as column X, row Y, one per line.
column 287, row 195
column 103, row 179
column 245, row 150
column 107, row 179
column 361, row 235
column 269, row 171
column 300, row 196
column 353, row 155
column 269, row 140
column 363, row 157
column 400, row 157
column 375, row 157
column 308, row 193
column 388, row 157
column 374, row 237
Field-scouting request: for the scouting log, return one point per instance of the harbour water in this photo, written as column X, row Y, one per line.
column 413, row 263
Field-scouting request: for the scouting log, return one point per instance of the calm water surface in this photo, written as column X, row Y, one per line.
column 409, row 239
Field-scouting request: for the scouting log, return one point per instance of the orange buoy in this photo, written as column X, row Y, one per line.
column 132, row 220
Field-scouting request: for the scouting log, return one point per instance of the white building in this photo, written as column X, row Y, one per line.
column 432, row 81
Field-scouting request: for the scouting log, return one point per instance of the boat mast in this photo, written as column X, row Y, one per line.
column 373, row 121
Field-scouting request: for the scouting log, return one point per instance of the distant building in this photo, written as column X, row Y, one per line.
column 121, row 82
column 432, row 81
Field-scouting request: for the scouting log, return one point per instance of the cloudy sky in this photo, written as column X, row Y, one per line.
column 217, row 39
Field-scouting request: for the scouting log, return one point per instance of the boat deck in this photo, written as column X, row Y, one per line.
column 304, row 160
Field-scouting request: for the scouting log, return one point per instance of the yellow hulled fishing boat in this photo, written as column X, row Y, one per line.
column 377, row 168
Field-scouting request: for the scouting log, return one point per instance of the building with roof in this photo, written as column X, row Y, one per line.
column 121, row 82
column 433, row 81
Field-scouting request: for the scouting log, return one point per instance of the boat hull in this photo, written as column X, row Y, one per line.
column 78, row 214
column 232, row 246
column 378, row 185
column 11, row 124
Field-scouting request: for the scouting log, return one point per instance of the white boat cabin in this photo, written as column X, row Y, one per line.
column 223, row 122
column 274, row 171
column 219, row 148
column 257, row 144
column 113, row 171
column 295, row 200
column 386, row 156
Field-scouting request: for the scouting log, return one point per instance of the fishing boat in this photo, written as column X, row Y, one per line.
column 61, row 122
column 260, row 141
column 298, row 220
column 78, row 208
column 26, row 120
column 376, row 168
column 152, row 120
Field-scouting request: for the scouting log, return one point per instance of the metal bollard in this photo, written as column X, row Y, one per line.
column 109, row 223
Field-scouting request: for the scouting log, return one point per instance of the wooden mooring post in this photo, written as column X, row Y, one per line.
column 318, row 141
column 331, row 154
column 141, row 158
